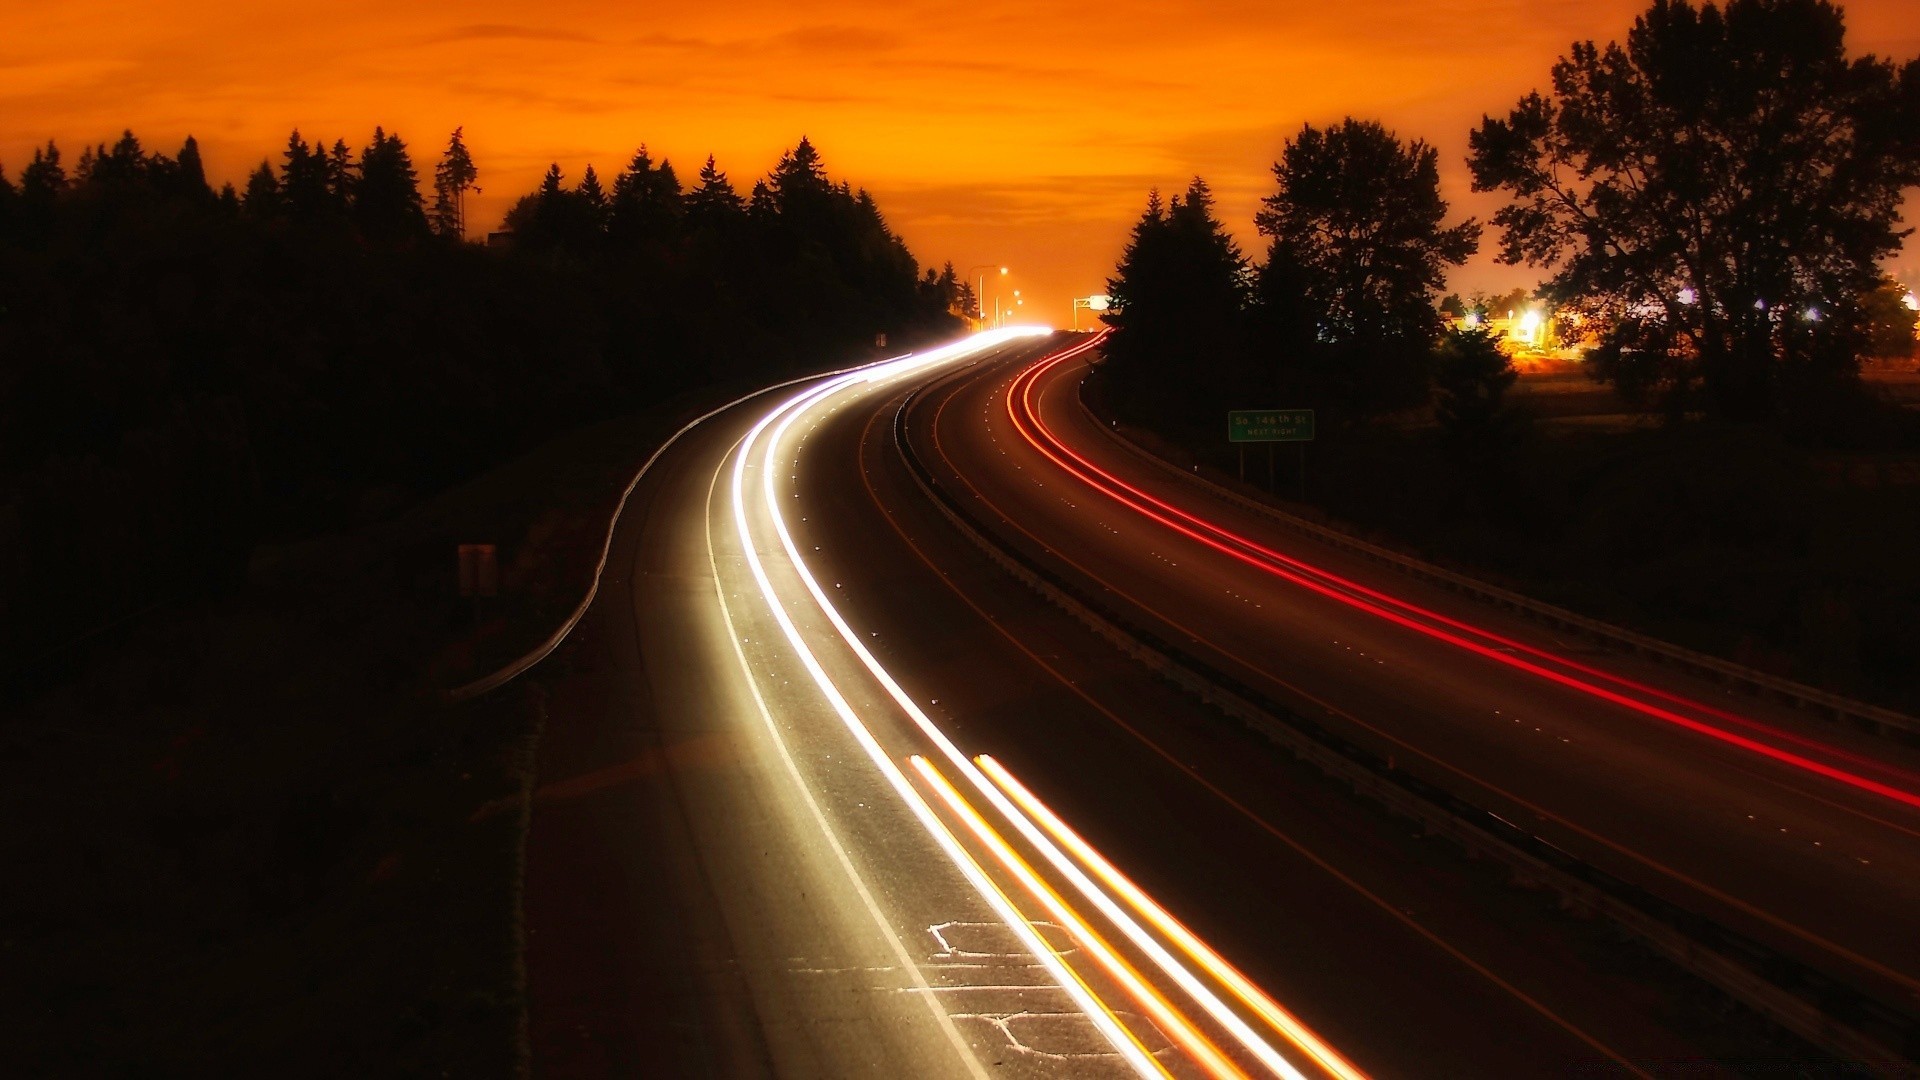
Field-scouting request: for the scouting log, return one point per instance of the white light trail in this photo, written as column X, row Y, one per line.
column 1184, row 977
column 1123, row 1041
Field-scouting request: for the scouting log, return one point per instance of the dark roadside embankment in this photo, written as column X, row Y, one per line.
column 263, row 841
column 1788, row 554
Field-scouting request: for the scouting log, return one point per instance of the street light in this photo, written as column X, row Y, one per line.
column 980, row 294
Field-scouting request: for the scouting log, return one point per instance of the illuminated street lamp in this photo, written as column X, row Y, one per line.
column 980, row 294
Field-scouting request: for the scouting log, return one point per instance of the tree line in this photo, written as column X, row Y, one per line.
column 1711, row 201
column 187, row 372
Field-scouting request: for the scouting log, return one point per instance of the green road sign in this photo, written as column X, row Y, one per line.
column 1270, row 425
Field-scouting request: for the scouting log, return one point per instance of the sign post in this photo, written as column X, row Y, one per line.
column 1271, row 426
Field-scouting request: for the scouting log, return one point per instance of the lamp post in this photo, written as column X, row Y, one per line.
column 980, row 294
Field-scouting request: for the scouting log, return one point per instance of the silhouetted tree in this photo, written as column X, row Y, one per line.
column 453, row 177
column 1359, row 248
column 760, row 205
column 1178, row 298
column 800, row 175
column 387, row 207
column 713, row 204
column 646, row 203
column 189, row 173
column 308, row 190
column 1470, row 380
column 186, row 377
column 343, row 175
column 1889, row 321
column 556, row 218
column 262, row 199
column 1715, row 195
column 1505, row 305
column 594, row 196
column 44, row 176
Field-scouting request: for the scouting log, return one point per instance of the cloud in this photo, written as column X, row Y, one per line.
column 506, row 32
column 838, row 39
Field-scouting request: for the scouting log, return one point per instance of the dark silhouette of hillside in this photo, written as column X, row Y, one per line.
column 187, row 373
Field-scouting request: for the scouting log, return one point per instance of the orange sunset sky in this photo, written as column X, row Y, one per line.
column 1024, row 133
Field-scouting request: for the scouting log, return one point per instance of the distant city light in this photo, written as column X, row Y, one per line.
column 1912, row 302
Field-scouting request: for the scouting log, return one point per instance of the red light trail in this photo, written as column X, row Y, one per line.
column 1026, row 419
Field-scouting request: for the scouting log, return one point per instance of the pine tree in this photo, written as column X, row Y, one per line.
column 124, row 163
column 801, row 174
column 1179, row 298
column 591, row 191
column 9, row 196
column 341, row 175
column 713, row 203
column 43, row 177
column 761, row 207
column 189, row 173
column 387, row 207
column 647, row 204
column 262, row 199
column 306, row 193
column 453, row 177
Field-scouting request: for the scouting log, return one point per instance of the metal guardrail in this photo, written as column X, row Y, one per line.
column 519, row 666
column 1867, row 716
column 1788, row 992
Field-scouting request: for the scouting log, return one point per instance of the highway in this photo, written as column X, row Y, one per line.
column 1806, row 839
column 831, row 794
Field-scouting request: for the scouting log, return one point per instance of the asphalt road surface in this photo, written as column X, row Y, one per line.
column 766, row 842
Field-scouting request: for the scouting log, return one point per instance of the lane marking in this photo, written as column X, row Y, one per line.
column 1130, row 927
column 1313, row 579
column 1096, row 1011
column 1384, row 905
column 1744, row 907
column 1165, row 1016
column 894, row 944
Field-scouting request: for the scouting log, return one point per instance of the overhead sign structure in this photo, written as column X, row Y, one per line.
column 1270, row 425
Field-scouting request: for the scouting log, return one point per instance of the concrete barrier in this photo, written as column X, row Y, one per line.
column 1797, row 997
column 1866, row 716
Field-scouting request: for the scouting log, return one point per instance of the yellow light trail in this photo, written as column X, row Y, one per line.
column 1249, row 1038
column 1163, row 1012
column 783, row 415
column 1243, row 988
column 782, row 420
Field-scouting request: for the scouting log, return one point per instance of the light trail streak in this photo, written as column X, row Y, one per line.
column 1032, row 376
column 1042, row 439
column 1163, row 1012
column 1283, row 1022
column 1123, row 1041
column 1255, row 1044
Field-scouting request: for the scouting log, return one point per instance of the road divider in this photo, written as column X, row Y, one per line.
column 1827, row 1011
column 1864, row 715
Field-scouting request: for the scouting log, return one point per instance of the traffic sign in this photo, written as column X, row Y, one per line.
column 1270, row 425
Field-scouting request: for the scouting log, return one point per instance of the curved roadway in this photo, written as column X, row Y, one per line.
column 763, row 846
